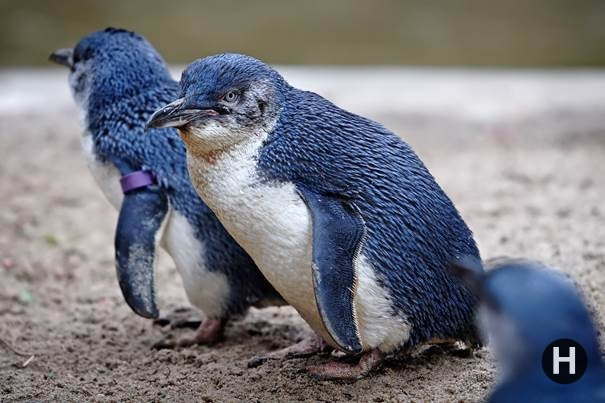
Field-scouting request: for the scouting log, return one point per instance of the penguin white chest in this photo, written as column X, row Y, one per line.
column 270, row 221
column 105, row 174
column 273, row 224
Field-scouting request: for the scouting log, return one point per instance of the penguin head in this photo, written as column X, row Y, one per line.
column 110, row 64
column 524, row 307
column 224, row 100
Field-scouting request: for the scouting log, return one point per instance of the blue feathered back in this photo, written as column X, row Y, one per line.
column 413, row 229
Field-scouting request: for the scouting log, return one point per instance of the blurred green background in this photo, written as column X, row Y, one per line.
column 407, row 32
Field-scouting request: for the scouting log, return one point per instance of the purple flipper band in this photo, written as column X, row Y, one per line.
column 136, row 180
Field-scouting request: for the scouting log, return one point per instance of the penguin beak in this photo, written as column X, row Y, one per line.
column 175, row 114
column 470, row 271
column 64, row 57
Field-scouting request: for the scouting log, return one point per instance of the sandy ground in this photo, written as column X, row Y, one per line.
column 521, row 154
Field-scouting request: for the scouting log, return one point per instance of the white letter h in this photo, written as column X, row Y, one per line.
column 556, row 360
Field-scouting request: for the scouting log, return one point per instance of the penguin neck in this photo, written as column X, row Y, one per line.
column 215, row 141
column 211, row 168
column 215, row 151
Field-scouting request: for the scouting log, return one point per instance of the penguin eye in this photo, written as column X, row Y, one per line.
column 231, row 96
column 76, row 57
column 81, row 54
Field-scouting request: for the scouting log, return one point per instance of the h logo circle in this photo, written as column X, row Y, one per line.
column 564, row 361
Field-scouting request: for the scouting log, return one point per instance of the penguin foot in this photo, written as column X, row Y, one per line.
column 304, row 348
column 340, row 371
column 210, row 331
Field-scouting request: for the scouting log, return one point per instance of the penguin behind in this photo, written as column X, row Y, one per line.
column 338, row 212
column 118, row 79
column 524, row 307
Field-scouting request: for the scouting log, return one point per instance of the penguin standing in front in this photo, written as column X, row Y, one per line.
column 338, row 213
column 524, row 307
column 118, row 79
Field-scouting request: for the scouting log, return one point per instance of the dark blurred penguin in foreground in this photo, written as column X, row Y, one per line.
column 118, row 79
column 338, row 212
column 524, row 308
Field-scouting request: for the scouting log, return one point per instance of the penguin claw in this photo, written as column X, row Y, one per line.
column 343, row 372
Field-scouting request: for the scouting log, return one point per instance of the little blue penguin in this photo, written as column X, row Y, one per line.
column 339, row 214
column 118, row 79
column 524, row 307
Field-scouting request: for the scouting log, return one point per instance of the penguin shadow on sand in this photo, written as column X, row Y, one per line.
column 259, row 332
column 427, row 357
column 266, row 331
column 179, row 320
column 273, row 337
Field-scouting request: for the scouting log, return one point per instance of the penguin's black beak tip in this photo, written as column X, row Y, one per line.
column 178, row 116
column 63, row 57
column 167, row 116
column 148, row 125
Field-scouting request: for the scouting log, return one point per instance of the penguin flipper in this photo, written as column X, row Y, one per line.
column 338, row 231
column 141, row 216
